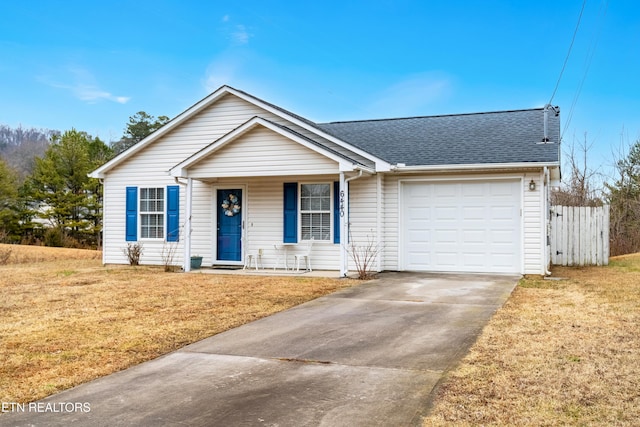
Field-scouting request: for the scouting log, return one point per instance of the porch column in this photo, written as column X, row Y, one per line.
column 344, row 226
column 380, row 217
column 187, row 226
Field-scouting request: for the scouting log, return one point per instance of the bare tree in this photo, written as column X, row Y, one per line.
column 581, row 188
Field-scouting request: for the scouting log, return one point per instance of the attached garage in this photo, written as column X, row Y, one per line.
column 461, row 226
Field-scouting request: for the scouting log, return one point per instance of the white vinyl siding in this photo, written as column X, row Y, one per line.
column 364, row 216
column 534, row 226
column 148, row 168
column 262, row 152
column 391, row 226
column 264, row 219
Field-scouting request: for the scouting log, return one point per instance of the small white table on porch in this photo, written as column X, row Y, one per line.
column 282, row 251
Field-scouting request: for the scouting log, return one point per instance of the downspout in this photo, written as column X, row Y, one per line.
column 186, row 262
column 344, row 221
column 379, row 221
column 104, row 201
column 547, row 186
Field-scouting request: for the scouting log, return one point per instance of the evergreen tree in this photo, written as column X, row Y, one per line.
column 9, row 214
column 624, row 201
column 66, row 196
column 139, row 127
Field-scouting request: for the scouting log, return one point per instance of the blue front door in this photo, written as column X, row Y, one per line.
column 229, row 233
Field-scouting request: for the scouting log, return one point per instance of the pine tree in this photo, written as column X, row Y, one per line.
column 624, row 199
column 66, row 196
column 9, row 215
column 139, row 127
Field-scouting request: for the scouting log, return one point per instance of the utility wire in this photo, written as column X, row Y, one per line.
column 588, row 60
column 566, row 59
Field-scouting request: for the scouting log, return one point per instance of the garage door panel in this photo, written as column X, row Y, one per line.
column 445, row 190
column 502, row 212
column 447, row 259
column 474, row 261
column 499, row 190
column 445, row 236
column 474, row 213
column 420, row 214
column 471, row 226
column 504, row 237
column 445, row 213
column 420, row 237
column 474, row 236
column 503, row 260
column 421, row 259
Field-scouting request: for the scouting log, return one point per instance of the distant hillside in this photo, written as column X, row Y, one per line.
column 19, row 147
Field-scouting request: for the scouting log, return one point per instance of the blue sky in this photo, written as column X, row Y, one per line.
column 91, row 65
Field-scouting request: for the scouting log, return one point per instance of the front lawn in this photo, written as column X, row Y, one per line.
column 65, row 319
column 561, row 352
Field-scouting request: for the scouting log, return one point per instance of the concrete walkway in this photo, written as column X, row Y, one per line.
column 365, row 356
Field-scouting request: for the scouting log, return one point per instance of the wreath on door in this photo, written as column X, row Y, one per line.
column 230, row 205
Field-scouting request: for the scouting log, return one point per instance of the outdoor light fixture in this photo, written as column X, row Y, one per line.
column 532, row 185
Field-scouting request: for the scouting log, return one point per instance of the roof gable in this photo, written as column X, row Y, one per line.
column 182, row 118
column 341, row 162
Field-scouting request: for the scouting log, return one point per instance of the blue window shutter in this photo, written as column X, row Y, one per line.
column 290, row 212
column 131, row 233
column 173, row 213
column 336, row 212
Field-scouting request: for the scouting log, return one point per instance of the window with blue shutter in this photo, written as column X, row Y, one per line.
column 131, row 233
column 290, row 225
column 173, row 213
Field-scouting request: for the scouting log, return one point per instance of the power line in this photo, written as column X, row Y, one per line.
column 566, row 59
column 588, row 60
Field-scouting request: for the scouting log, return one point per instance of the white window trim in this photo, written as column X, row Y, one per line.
column 331, row 210
column 163, row 213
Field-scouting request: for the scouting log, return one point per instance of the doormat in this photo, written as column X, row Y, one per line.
column 227, row 267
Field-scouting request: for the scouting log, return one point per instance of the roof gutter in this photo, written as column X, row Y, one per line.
column 363, row 169
column 401, row 167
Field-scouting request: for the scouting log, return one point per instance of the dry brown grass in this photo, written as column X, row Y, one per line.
column 65, row 319
column 19, row 254
column 558, row 353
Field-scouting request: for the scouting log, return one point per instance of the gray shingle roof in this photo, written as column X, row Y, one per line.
column 494, row 137
column 339, row 149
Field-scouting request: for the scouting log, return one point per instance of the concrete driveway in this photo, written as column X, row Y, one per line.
column 365, row 356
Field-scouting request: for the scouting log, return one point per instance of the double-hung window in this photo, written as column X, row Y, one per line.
column 152, row 213
column 315, row 211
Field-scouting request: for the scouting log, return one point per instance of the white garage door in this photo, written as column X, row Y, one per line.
column 461, row 226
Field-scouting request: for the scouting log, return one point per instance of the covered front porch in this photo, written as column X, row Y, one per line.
column 264, row 191
column 268, row 222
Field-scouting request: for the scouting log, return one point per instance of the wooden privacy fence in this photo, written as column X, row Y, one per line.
column 579, row 235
